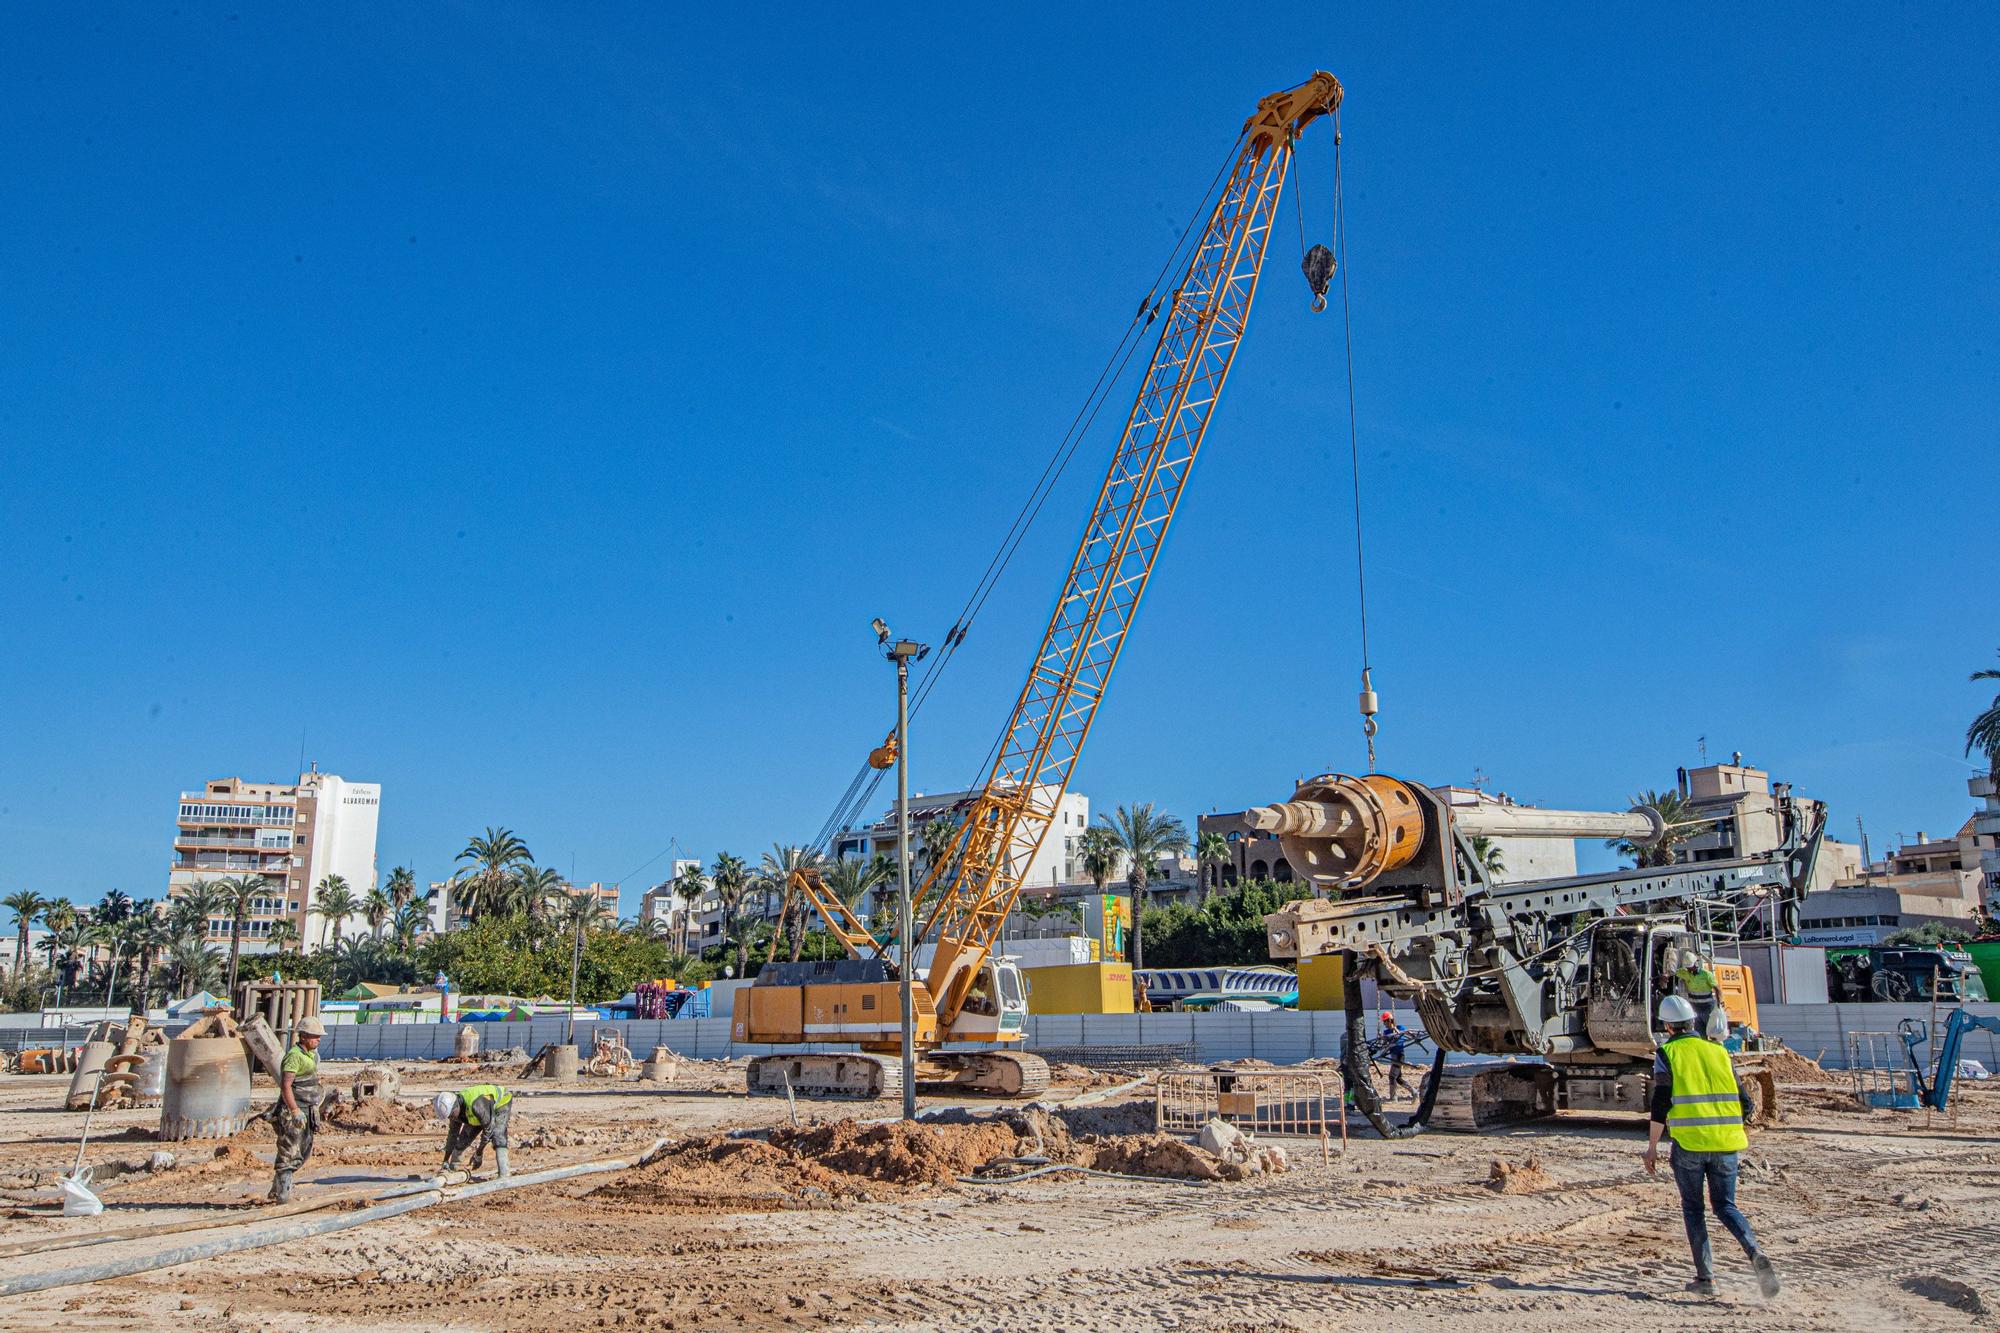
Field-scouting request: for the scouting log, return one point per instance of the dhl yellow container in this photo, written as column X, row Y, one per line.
column 1320, row 981
column 1079, row 988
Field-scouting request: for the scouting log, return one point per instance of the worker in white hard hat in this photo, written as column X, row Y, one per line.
column 474, row 1117
column 1697, row 1100
column 1694, row 977
column 297, row 1113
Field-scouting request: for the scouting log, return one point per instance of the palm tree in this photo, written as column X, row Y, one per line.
column 284, row 935
column 1098, row 850
column 583, row 913
column 1984, row 733
column 196, row 966
column 689, row 886
column 149, row 937
column 70, row 935
column 240, row 893
column 491, row 860
column 200, row 903
column 775, row 875
column 537, row 889
column 401, row 887
column 336, row 902
column 1491, row 859
column 935, row 837
column 26, row 905
column 113, row 907
column 1211, row 853
column 408, row 923
column 1144, row 837
column 1682, row 823
column 851, row 878
column 731, row 879
column 376, row 908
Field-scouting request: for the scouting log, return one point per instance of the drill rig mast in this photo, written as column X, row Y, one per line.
column 966, row 994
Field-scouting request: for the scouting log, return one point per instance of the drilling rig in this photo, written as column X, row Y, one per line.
column 1568, row 970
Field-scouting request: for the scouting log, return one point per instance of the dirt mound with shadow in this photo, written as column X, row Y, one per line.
column 1791, row 1067
column 1519, row 1177
column 904, row 1153
column 716, row 1173
column 1159, row 1155
column 380, row 1115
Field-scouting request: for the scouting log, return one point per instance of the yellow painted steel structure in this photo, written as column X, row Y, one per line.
column 970, row 889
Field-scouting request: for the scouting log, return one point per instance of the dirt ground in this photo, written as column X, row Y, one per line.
column 1877, row 1220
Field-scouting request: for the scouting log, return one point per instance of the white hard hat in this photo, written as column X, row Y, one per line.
column 1676, row 1009
column 442, row 1103
column 310, row 1027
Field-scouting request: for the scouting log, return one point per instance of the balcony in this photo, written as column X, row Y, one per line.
column 222, row 840
column 1982, row 785
column 231, row 865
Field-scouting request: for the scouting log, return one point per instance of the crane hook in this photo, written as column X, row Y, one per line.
column 1318, row 268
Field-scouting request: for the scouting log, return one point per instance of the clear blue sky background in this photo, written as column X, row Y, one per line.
column 532, row 404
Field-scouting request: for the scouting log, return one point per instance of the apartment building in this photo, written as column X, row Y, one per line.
column 1055, row 862
column 292, row 836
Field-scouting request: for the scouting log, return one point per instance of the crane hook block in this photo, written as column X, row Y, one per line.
column 883, row 755
column 1318, row 266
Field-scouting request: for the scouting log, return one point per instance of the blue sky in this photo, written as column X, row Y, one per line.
column 530, row 406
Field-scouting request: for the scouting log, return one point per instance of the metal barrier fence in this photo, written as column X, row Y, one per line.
column 1880, row 1071
column 1276, row 1102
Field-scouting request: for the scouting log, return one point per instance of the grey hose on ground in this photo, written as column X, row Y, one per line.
column 227, row 1217
column 258, row 1236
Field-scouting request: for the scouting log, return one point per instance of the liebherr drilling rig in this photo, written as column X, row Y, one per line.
column 1569, row 969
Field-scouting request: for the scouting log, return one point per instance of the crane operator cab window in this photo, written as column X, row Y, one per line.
column 979, row 999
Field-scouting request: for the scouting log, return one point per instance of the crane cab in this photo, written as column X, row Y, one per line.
column 996, row 1007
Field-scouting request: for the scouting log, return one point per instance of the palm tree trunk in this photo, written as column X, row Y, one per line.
column 1138, row 883
column 235, row 947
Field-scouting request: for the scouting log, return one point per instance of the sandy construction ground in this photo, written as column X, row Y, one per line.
column 1877, row 1219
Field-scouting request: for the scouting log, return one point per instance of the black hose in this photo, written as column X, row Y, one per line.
column 1359, row 1069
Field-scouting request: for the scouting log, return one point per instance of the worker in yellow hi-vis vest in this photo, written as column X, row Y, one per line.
column 475, row 1115
column 1697, row 1100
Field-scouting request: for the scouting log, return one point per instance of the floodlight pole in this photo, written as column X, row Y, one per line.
column 901, row 651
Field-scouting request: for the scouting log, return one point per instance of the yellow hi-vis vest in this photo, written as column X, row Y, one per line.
column 1698, row 981
column 500, row 1097
column 1706, row 1114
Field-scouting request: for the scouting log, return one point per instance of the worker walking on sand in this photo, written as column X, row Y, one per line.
column 475, row 1116
column 1697, row 1100
column 297, row 1113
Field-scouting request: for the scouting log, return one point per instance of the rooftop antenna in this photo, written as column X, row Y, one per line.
column 1702, row 742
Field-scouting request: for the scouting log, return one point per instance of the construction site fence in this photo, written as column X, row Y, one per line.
column 1818, row 1031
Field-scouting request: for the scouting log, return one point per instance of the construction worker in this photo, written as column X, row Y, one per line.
column 475, row 1116
column 297, row 1113
column 1394, row 1042
column 1697, row 1100
column 1696, row 980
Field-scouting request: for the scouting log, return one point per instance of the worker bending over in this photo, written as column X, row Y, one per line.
column 474, row 1117
column 297, row 1112
column 1697, row 1100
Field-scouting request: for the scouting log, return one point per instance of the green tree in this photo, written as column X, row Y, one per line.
column 401, row 886
column 26, row 905
column 935, row 837
column 489, row 883
column 240, row 892
column 1211, row 853
column 1144, row 836
column 113, row 907
column 284, row 936
column 689, row 886
column 1224, row 931
column 334, row 902
column 149, row 937
column 1680, row 819
column 376, row 909
column 541, row 893
column 410, row 921
column 1098, row 851
column 1491, row 859
column 853, row 878
column 775, row 876
column 731, row 880
column 196, row 967
column 1984, row 733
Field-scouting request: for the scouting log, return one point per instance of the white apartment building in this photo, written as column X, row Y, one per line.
column 292, row 836
column 1054, row 863
column 662, row 906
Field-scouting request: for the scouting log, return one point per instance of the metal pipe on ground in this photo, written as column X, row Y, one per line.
column 259, row 1236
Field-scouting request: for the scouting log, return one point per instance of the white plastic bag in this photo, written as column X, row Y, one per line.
column 78, row 1201
column 1717, row 1028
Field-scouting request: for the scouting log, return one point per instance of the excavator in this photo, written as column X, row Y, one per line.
column 1567, row 970
column 965, row 994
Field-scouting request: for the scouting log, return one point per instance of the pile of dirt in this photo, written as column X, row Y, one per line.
column 921, row 1153
column 1522, row 1178
column 1117, row 1118
column 1084, row 1076
column 1791, row 1067
column 1159, row 1155
column 380, row 1115
column 226, row 1160
column 717, row 1173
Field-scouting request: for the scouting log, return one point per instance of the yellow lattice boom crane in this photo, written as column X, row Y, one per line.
column 966, row 994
